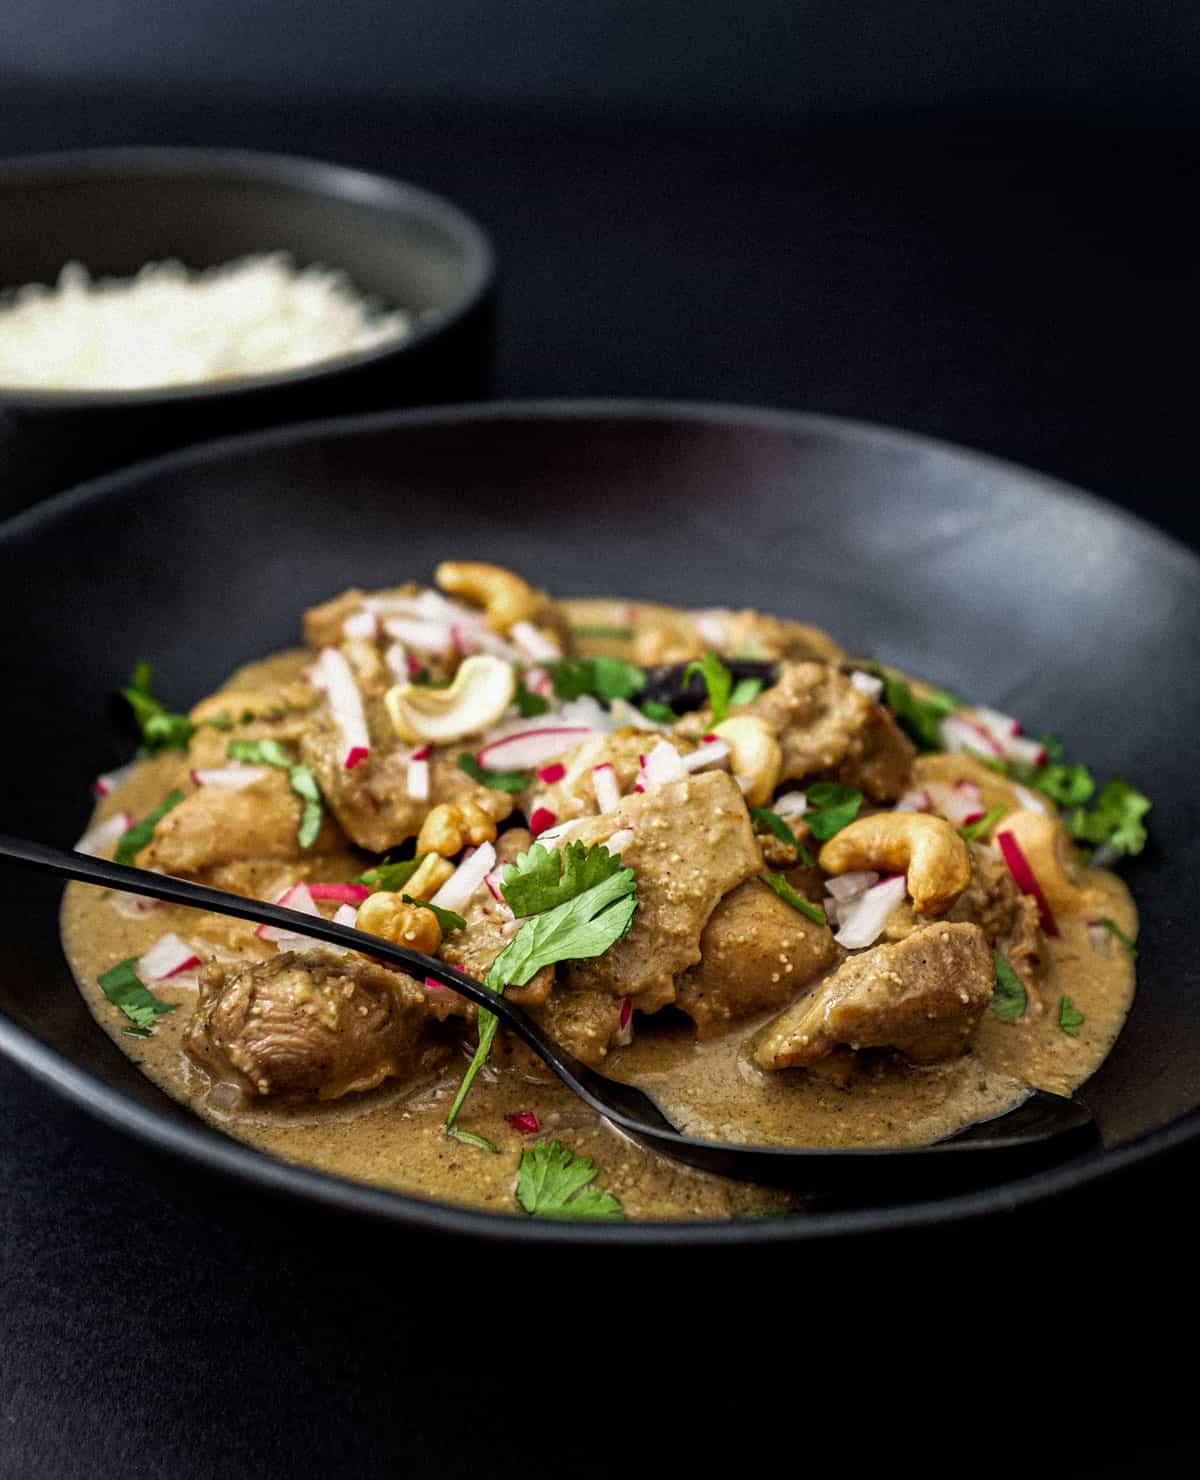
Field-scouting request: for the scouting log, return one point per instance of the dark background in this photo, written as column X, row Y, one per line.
column 969, row 219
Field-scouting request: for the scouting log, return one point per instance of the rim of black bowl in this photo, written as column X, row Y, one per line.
column 316, row 176
column 205, row 1145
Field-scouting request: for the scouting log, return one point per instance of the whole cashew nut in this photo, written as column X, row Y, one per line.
column 1044, row 845
column 754, row 755
column 482, row 690
column 926, row 848
column 431, row 874
column 504, row 596
column 385, row 914
column 450, row 826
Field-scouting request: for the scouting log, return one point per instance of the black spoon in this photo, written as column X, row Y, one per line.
column 1043, row 1128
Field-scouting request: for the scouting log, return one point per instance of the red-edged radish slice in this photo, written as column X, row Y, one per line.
column 711, row 625
column 132, row 906
column 426, row 637
column 663, row 764
column 1002, row 726
column 105, row 785
column 1030, row 800
column 346, row 893
column 361, row 624
column 710, row 753
column 868, row 683
column 846, row 887
column 865, row 917
column 528, row 749
column 956, row 803
column 534, row 645
column 959, row 734
column 466, row 878
column 229, row 778
column 541, row 819
column 165, row 959
column 555, row 771
column 332, row 674
column 416, row 776
column 538, row 681
column 619, row 841
column 104, row 835
column 917, row 799
column 298, row 898
column 790, row 804
column 1025, row 878
column 604, row 783
column 1018, row 748
column 624, row 1033
column 623, row 714
column 396, row 659
column 345, row 914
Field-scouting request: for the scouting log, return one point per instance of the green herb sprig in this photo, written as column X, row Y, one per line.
column 553, row 1182
column 126, row 990
column 785, row 891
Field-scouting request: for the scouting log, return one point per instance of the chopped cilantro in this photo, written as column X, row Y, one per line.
column 831, row 807
column 447, row 919
column 1115, row 930
column 555, row 1183
column 973, row 831
column 300, row 778
column 599, row 631
column 746, row 690
column 1008, row 999
column 606, row 678
column 391, row 876
column 133, row 841
column 785, row 891
column 497, row 780
column 126, row 990
column 1069, row 1017
column 469, row 1138
column 528, row 703
column 717, row 680
column 764, row 817
column 1052, row 745
column 661, row 714
column 574, row 915
column 1115, row 820
column 921, row 719
column 1069, row 786
column 160, row 728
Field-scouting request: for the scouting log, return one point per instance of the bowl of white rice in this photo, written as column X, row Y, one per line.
column 155, row 297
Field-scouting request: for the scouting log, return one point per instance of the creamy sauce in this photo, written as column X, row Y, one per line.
column 393, row 1136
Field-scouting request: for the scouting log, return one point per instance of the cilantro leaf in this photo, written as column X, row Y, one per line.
column 447, row 919
column 831, row 807
column 1008, row 999
column 785, row 891
column 300, row 778
column 133, row 841
column 920, row 719
column 606, row 678
column 469, row 1138
column 1069, row 1017
column 1052, row 745
column 497, row 780
column 259, row 753
column 717, row 680
column 971, row 832
column 160, row 728
column 1115, row 820
column 1069, row 786
column 746, row 690
column 391, row 876
column 612, row 634
column 555, row 1183
column 126, row 990
column 543, row 878
column 661, row 714
column 764, row 817
column 1115, row 930
column 528, row 703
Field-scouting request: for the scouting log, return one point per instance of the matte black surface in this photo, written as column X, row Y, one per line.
column 116, row 210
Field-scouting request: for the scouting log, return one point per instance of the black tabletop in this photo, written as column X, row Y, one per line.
column 1025, row 290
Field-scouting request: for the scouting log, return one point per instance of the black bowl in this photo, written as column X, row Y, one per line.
column 1005, row 586
column 116, row 209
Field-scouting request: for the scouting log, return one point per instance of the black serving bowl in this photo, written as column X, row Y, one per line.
column 1005, row 586
column 116, row 209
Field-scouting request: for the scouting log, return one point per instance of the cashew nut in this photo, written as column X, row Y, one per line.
column 1044, row 845
column 432, row 872
column 385, row 914
column 505, row 597
column 482, row 690
column 450, row 826
column 926, row 848
column 754, row 755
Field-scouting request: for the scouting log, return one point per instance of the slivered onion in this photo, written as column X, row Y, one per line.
column 466, row 878
column 331, row 673
column 865, row 917
column 846, row 887
column 104, row 834
column 166, row 958
column 713, row 753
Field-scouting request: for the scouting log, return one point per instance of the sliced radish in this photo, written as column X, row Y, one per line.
column 868, row 683
column 1020, row 749
column 346, row 893
column 959, row 734
column 552, row 773
column 1025, row 878
column 915, row 800
column 663, row 764
column 332, row 674
column 538, row 681
column 432, row 986
column 711, row 753
column 619, row 841
column 604, row 783
column 133, row 906
column 790, row 804
column 624, row 1033
column 466, row 878
column 426, row 637
column 298, row 898
column 1002, row 726
column 524, row 1121
column 587, row 711
column 416, row 776
column 104, row 834
column 396, row 659
column 865, row 917
column 846, row 887
column 541, row 819
column 957, row 803
column 530, row 748
column 1030, row 800
column 230, row 778
column 710, row 624
column 361, row 624
column 627, row 715
column 166, row 958
column 535, row 645
column 105, row 785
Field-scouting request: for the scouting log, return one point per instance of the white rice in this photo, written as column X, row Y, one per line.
column 168, row 326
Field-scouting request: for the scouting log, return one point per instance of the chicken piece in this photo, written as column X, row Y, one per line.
column 664, row 635
column 829, row 730
column 310, row 1022
column 692, row 843
column 585, row 1022
column 923, row 996
column 756, row 952
column 214, row 827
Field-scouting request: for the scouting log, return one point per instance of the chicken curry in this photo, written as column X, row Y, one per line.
column 799, row 897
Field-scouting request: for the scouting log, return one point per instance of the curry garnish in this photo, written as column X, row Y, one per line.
column 605, row 678
column 497, row 780
column 391, row 876
column 528, row 703
column 1115, row 822
column 717, row 680
column 789, row 896
column 920, row 719
column 661, row 714
column 746, row 690
column 1069, row 1017
column 126, row 990
column 831, row 808
column 578, row 902
column 1009, row 999
column 160, row 728
column 555, row 1183
column 135, row 839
